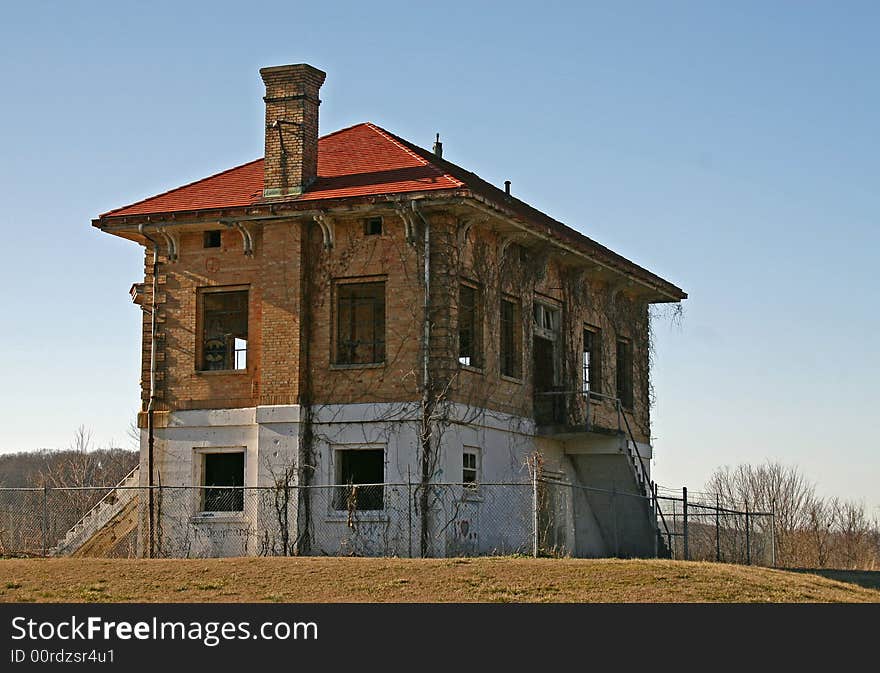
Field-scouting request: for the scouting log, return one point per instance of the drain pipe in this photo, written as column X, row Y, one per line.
column 151, row 514
column 426, row 381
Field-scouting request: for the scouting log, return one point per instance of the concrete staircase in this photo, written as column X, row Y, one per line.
column 111, row 519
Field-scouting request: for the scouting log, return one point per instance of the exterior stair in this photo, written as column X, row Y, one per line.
column 116, row 510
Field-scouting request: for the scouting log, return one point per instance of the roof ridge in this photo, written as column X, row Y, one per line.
column 177, row 189
column 396, row 141
column 343, row 130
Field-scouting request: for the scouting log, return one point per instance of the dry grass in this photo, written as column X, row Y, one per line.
column 410, row 580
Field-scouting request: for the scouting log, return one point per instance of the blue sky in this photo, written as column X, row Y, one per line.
column 730, row 147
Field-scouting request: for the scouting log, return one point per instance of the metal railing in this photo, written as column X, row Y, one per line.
column 564, row 415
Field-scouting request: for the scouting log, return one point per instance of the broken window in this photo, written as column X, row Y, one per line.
column 470, row 467
column 511, row 339
column 225, row 470
column 212, row 239
column 625, row 373
column 360, row 474
column 470, row 322
column 224, row 329
column 360, row 329
column 591, row 365
column 546, row 320
column 373, row 226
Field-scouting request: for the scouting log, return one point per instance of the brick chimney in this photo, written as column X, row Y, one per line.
column 291, row 163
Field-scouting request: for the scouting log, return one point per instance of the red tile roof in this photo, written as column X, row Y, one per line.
column 362, row 160
column 365, row 160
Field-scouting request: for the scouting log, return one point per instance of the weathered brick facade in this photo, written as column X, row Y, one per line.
column 291, row 274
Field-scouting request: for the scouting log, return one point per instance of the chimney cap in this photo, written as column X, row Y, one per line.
column 294, row 71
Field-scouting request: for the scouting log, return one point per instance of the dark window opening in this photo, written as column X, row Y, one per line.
column 625, row 373
column 360, row 330
column 223, row 469
column 360, row 474
column 592, row 362
column 511, row 332
column 373, row 226
column 470, row 322
column 224, row 330
column 212, row 239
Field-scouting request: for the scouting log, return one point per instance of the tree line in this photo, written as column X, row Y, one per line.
column 811, row 531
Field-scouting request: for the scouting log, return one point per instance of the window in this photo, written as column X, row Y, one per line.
column 359, row 466
column 470, row 324
column 223, row 469
column 360, row 328
column 591, row 370
column 212, row 239
column 511, row 335
column 373, row 226
column 546, row 319
column 625, row 373
column 470, row 467
column 224, row 327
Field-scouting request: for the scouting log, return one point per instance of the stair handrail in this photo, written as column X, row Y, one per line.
column 654, row 502
column 106, row 495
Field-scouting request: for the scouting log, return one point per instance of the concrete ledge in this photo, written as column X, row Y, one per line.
column 206, row 418
column 280, row 413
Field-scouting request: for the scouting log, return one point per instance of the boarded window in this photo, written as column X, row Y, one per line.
column 224, row 328
column 625, row 373
column 470, row 322
column 511, row 339
column 224, row 470
column 360, row 473
column 592, row 361
column 360, row 333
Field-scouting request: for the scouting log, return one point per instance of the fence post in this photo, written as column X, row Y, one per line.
column 748, row 538
column 773, row 539
column 654, row 508
column 535, row 509
column 717, row 528
column 45, row 522
column 684, row 518
column 409, row 509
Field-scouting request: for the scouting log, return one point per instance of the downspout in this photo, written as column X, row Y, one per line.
column 426, row 387
column 151, row 514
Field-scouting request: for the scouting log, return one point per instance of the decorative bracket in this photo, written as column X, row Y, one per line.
column 247, row 238
column 327, row 229
column 172, row 241
column 409, row 225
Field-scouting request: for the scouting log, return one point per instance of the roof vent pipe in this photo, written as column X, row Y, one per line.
column 438, row 147
column 507, row 187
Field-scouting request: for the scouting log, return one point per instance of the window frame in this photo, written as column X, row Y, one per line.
column 337, row 360
column 516, row 339
column 477, row 469
column 340, row 488
column 591, row 372
column 372, row 220
column 207, row 239
column 200, row 329
column 478, row 357
column 200, row 455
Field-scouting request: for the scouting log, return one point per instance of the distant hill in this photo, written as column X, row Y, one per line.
column 67, row 467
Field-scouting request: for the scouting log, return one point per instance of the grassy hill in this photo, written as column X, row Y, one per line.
column 410, row 580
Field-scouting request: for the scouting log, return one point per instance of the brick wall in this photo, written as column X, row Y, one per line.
column 292, row 281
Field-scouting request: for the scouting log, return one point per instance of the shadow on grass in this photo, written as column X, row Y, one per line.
column 870, row 579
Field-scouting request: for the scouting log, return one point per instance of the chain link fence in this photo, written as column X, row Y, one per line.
column 702, row 527
column 543, row 517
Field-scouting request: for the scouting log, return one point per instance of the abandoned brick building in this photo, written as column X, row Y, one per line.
column 354, row 309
